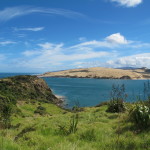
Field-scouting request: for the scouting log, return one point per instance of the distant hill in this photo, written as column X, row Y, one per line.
column 103, row 73
column 127, row 68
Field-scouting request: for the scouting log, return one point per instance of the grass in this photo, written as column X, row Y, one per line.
column 96, row 130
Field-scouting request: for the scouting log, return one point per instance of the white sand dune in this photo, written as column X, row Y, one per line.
column 99, row 72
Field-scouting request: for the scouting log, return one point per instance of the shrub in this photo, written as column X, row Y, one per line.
column 40, row 110
column 72, row 128
column 5, row 111
column 140, row 116
column 118, row 97
column 116, row 106
column 73, row 123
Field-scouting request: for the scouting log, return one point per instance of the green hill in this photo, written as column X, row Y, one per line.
column 27, row 88
column 37, row 123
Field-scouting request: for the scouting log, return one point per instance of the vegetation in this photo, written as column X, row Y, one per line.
column 140, row 115
column 5, row 112
column 26, row 88
column 118, row 96
column 41, row 125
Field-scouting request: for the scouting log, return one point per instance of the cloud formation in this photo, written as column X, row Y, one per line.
column 3, row 43
column 128, row 3
column 48, row 55
column 111, row 41
column 117, row 38
column 35, row 29
column 108, row 52
column 13, row 12
column 138, row 60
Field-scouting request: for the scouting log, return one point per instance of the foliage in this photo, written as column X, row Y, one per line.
column 116, row 106
column 40, row 110
column 73, row 123
column 103, row 136
column 118, row 97
column 26, row 88
column 72, row 128
column 140, row 115
column 5, row 112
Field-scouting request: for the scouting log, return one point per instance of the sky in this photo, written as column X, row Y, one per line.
column 49, row 35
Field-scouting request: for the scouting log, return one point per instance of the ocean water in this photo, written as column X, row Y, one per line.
column 88, row 92
column 4, row 75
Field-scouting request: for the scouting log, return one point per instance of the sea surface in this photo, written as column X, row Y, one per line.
column 89, row 92
column 4, row 75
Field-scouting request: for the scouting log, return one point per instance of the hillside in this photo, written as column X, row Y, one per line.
column 32, row 121
column 96, row 130
column 99, row 72
column 27, row 88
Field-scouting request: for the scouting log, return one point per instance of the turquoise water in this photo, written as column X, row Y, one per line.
column 90, row 92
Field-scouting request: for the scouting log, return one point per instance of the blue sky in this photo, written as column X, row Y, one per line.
column 50, row 35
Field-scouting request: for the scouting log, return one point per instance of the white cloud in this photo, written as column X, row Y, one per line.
column 116, row 38
column 128, row 3
column 48, row 45
column 12, row 12
column 3, row 43
column 50, row 54
column 138, row 60
column 29, row 29
column 111, row 41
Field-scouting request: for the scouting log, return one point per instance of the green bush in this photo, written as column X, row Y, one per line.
column 5, row 111
column 118, row 97
column 40, row 110
column 72, row 128
column 140, row 115
column 116, row 106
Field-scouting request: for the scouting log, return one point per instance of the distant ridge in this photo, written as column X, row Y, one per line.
column 102, row 73
column 132, row 68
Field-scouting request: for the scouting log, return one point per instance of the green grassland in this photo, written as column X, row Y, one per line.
column 31, row 120
column 96, row 130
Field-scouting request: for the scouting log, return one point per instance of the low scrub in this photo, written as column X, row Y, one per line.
column 40, row 110
column 118, row 97
column 6, row 110
column 116, row 106
column 140, row 116
column 72, row 128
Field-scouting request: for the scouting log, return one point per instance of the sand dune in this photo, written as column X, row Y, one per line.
column 99, row 72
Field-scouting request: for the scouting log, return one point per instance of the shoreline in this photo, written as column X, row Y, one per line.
column 92, row 78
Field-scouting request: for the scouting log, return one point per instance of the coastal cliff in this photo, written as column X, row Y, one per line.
column 102, row 73
column 27, row 88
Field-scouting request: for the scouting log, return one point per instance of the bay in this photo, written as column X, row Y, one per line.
column 90, row 92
